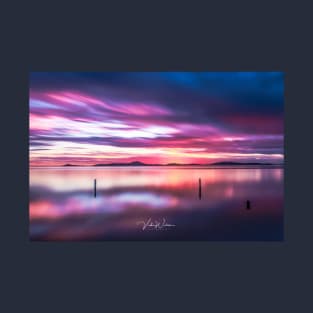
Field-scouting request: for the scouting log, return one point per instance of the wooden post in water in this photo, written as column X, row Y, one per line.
column 248, row 206
column 199, row 188
column 95, row 188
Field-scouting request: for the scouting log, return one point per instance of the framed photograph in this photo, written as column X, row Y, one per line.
column 180, row 156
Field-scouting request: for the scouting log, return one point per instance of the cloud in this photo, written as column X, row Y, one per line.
column 157, row 110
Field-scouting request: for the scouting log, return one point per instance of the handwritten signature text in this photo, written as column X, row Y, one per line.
column 155, row 224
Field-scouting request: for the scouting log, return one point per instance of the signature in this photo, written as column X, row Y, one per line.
column 156, row 224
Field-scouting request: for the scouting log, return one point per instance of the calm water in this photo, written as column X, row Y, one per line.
column 63, row 206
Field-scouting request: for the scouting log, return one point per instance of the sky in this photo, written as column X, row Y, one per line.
column 155, row 117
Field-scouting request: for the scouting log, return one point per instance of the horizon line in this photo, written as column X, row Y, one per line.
column 160, row 164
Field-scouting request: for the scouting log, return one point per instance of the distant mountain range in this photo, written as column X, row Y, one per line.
column 138, row 163
column 239, row 163
column 135, row 163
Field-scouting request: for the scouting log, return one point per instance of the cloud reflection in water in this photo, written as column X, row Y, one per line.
column 68, row 210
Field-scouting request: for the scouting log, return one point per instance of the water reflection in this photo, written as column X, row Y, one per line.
column 62, row 205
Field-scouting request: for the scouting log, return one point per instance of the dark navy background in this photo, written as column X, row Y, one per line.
column 158, row 276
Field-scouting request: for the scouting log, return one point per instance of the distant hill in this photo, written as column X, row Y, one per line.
column 135, row 163
column 138, row 163
column 179, row 164
column 239, row 163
